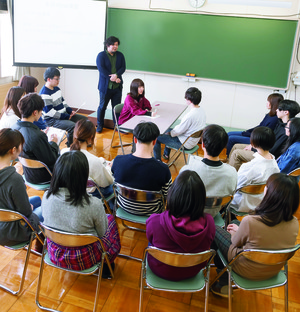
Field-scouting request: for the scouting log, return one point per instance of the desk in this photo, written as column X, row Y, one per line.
column 167, row 113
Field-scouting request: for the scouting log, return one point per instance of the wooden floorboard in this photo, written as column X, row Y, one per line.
column 73, row 293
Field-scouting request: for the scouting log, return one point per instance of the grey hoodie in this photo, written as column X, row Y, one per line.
column 13, row 196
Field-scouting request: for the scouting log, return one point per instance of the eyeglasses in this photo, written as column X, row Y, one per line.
column 287, row 127
column 57, row 79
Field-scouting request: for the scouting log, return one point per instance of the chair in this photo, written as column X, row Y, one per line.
column 35, row 164
column 295, row 173
column 117, row 111
column 183, row 150
column 141, row 197
column 217, row 203
column 70, row 240
column 267, row 257
column 251, row 189
column 92, row 183
column 190, row 285
column 9, row 216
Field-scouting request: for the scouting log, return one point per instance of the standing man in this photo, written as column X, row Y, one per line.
column 56, row 112
column 111, row 66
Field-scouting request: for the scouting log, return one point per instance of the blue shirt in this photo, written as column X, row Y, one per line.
column 290, row 160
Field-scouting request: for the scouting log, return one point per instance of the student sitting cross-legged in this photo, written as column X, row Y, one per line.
column 257, row 170
column 290, row 159
column 192, row 122
column 141, row 171
column 219, row 179
column 66, row 206
column 183, row 227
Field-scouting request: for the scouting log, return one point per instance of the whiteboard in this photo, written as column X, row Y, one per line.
column 68, row 33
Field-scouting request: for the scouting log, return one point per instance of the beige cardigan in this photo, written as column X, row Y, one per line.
column 253, row 233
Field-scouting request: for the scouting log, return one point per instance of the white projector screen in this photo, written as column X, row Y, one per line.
column 67, row 33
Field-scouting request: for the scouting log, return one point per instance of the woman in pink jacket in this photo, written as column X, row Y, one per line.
column 135, row 102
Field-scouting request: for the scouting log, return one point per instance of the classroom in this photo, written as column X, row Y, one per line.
column 232, row 103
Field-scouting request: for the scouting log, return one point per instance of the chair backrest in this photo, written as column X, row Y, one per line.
column 182, row 260
column 196, row 134
column 34, row 164
column 9, row 215
column 117, row 111
column 136, row 194
column 217, row 201
column 253, row 189
column 295, row 173
column 268, row 257
column 68, row 239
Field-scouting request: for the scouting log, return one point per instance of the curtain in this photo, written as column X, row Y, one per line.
column 19, row 71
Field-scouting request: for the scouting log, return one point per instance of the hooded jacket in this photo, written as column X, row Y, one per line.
column 13, row 196
column 178, row 235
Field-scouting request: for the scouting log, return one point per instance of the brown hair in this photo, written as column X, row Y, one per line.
column 29, row 83
column 134, row 86
column 11, row 100
column 274, row 99
column 9, row 139
column 84, row 130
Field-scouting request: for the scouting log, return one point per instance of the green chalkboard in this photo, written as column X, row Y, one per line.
column 237, row 49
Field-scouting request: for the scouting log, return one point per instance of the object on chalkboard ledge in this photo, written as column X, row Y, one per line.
column 190, row 75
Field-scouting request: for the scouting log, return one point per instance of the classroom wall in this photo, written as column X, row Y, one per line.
column 227, row 104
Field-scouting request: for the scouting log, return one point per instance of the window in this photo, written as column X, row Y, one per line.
column 6, row 47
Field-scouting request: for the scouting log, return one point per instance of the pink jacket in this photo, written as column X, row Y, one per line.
column 133, row 107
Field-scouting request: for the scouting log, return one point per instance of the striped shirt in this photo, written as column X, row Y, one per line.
column 55, row 105
column 144, row 174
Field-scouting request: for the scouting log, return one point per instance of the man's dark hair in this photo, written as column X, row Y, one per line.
column 51, row 72
column 215, row 139
column 262, row 137
column 29, row 103
column 146, row 132
column 291, row 106
column 194, row 95
column 111, row 41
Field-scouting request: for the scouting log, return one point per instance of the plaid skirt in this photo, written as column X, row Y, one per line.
column 84, row 257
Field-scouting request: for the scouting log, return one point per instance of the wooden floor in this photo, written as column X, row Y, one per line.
column 73, row 293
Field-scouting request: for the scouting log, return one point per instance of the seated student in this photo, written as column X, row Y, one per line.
column 13, row 195
column 257, row 170
column 183, row 227
column 66, row 206
column 56, row 112
column 219, row 179
column 271, row 226
column 10, row 113
column 270, row 121
column 84, row 135
column 30, row 84
column 36, row 145
column 135, row 102
column 141, row 171
column 290, row 158
column 242, row 153
column 193, row 121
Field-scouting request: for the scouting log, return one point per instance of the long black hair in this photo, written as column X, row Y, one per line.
column 281, row 200
column 71, row 171
column 294, row 128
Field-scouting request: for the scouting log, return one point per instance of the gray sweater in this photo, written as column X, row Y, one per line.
column 13, row 196
column 87, row 218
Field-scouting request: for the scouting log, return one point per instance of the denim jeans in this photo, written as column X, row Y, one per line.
column 235, row 137
column 36, row 202
column 168, row 141
column 113, row 95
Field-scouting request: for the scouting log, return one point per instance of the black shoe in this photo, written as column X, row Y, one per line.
column 220, row 290
column 106, row 272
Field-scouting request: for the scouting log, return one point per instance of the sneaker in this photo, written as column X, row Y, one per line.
column 165, row 157
column 220, row 290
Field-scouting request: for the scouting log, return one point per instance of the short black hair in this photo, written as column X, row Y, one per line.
column 194, row 95
column 187, row 196
column 146, row 132
column 51, row 72
column 262, row 137
column 215, row 139
column 29, row 103
column 291, row 106
column 111, row 40
column 67, row 170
